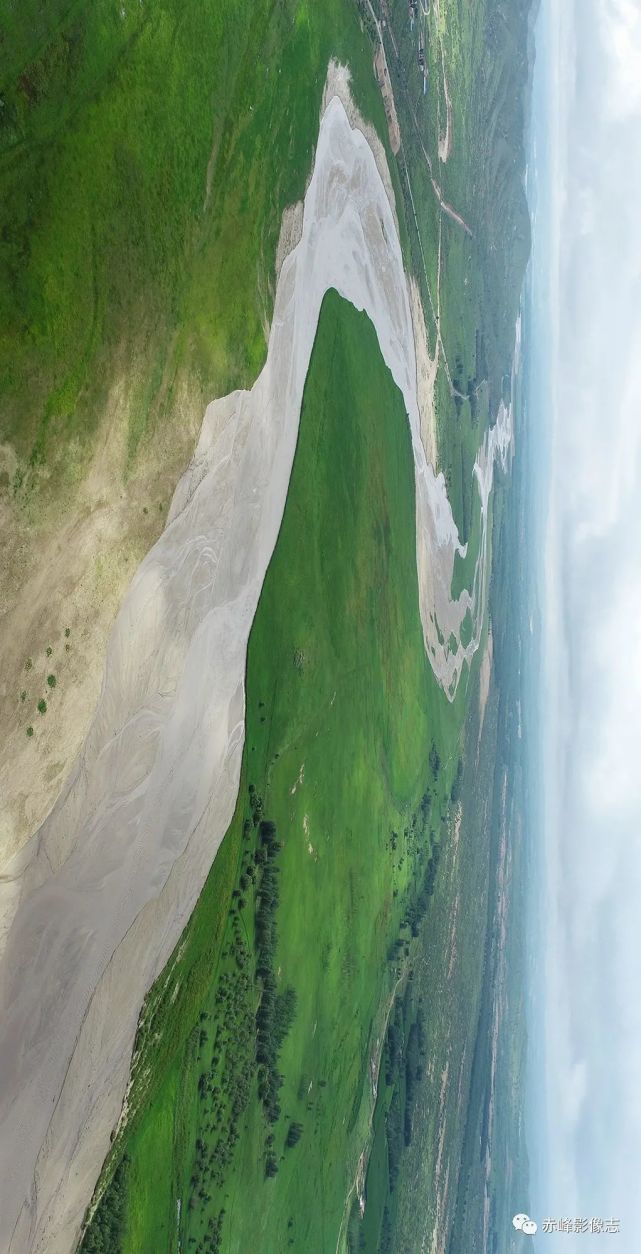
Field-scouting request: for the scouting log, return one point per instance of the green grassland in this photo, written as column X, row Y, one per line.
column 425, row 1094
column 147, row 152
column 343, row 713
column 457, row 1145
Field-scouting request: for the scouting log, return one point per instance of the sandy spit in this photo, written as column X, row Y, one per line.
column 95, row 903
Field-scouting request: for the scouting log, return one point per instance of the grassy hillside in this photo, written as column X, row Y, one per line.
column 146, row 154
column 343, row 714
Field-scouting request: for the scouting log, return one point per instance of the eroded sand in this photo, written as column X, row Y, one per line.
column 68, row 562
column 97, row 900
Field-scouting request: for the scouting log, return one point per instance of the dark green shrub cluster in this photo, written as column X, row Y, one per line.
column 417, row 909
column 294, row 1133
column 225, row 1088
column 105, row 1234
column 435, row 760
column 211, row 1241
column 394, row 1136
column 455, row 793
column 403, row 1062
column 275, row 1012
column 256, row 805
column 426, row 805
column 246, row 1040
column 385, row 1245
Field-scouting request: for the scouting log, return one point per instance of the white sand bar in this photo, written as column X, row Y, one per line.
column 94, row 904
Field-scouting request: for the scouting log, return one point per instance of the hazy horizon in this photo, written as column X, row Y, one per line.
column 586, row 276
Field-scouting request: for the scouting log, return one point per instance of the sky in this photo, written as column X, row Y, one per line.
column 586, row 274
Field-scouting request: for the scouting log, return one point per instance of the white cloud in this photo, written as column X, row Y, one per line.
column 592, row 620
column 620, row 33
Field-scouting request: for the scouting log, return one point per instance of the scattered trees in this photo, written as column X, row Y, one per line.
column 276, row 1010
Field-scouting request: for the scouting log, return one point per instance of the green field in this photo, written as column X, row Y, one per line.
column 147, row 152
column 342, row 715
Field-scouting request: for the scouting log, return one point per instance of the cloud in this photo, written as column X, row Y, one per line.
column 620, row 36
column 592, row 723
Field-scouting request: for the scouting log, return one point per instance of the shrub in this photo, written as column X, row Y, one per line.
column 42, row 706
column 455, row 792
column 275, row 1011
column 51, row 680
column 435, row 761
column 294, row 1133
column 30, row 731
column 104, row 1235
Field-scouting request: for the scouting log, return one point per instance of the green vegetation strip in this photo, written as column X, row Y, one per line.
column 282, row 982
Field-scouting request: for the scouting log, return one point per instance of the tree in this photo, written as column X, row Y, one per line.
column 456, row 785
column 294, row 1133
column 435, row 761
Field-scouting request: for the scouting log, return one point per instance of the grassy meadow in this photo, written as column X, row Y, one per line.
column 147, row 152
column 351, row 753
